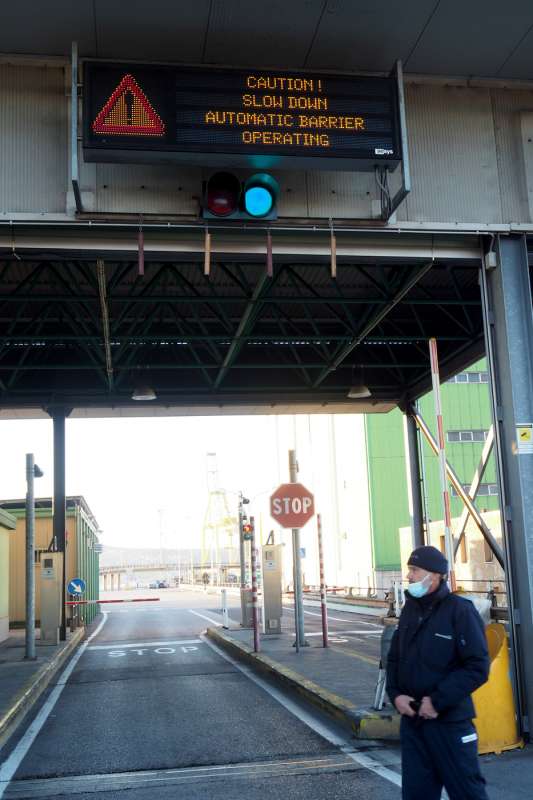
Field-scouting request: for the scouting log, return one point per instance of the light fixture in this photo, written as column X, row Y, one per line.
column 143, row 392
column 358, row 390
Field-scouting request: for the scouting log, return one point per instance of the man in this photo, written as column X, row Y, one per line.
column 438, row 657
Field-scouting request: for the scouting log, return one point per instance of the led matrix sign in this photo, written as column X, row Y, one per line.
column 258, row 118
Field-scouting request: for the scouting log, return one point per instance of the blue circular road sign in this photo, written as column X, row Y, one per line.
column 76, row 586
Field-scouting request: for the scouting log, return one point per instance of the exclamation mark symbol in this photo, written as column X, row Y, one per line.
column 128, row 99
column 319, row 85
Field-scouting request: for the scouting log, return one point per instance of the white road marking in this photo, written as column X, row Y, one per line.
column 11, row 764
column 364, row 633
column 335, row 619
column 119, row 646
column 209, row 619
column 162, row 651
column 308, row 719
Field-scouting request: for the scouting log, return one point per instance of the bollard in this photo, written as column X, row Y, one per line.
column 397, row 588
column 225, row 616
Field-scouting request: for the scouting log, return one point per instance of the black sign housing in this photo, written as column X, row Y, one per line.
column 260, row 119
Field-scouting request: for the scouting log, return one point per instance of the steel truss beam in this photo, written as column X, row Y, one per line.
column 374, row 322
column 52, row 317
column 100, row 266
column 248, row 318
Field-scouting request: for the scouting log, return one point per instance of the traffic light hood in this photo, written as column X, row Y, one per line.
column 226, row 197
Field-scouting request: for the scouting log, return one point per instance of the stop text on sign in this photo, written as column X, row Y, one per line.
column 292, row 505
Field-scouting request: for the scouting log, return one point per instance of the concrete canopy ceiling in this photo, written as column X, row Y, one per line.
column 479, row 38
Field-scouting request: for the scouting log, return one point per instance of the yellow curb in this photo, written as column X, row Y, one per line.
column 365, row 723
column 32, row 690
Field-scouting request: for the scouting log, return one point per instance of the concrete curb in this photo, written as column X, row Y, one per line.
column 32, row 690
column 365, row 723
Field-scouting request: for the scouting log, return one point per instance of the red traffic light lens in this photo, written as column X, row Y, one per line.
column 223, row 194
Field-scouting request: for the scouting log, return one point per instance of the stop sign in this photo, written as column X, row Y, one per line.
column 292, row 505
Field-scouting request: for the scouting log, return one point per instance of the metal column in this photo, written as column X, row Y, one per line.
column 60, row 522
column 414, row 481
column 508, row 318
column 30, row 559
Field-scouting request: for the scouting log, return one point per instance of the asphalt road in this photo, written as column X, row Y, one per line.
column 151, row 710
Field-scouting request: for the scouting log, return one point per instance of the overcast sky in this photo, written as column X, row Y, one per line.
column 128, row 469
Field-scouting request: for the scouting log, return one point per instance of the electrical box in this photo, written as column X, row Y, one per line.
column 51, row 596
column 272, row 562
column 246, row 608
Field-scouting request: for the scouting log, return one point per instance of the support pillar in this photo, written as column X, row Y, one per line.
column 59, row 504
column 414, row 481
column 508, row 318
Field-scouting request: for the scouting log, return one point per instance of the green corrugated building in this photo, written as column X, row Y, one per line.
column 467, row 418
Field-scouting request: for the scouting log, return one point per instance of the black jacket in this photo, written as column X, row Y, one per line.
column 439, row 650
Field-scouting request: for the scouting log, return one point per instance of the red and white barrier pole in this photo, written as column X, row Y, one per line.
column 98, row 602
column 435, row 377
column 323, row 600
column 255, row 614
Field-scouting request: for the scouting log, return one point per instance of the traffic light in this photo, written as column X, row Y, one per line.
column 247, row 531
column 226, row 197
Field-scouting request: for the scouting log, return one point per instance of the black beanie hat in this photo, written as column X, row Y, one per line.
column 428, row 557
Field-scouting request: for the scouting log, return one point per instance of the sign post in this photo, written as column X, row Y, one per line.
column 292, row 505
column 323, row 599
column 254, row 589
column 76, row 589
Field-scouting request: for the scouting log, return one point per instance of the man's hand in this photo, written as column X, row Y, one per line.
column 426, row 710
column 402, row 705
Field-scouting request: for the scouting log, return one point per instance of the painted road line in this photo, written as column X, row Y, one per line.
column 209, row 619
column 353, row 654
column 350, row 608
column 328, row 733
column 120, row 646
column 70, row 786
column 160, row 651
column 368, row 634
column 11, row 764
column 336, row 619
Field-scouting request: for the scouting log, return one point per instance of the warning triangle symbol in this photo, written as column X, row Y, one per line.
column 128, row 112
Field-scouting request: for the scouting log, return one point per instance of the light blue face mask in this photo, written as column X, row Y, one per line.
column 420, row 588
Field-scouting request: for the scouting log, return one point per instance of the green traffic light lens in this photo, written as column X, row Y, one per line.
column 260, row 194
column 258, row 201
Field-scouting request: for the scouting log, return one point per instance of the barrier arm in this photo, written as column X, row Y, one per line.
column 474, row 486
column 456, row 483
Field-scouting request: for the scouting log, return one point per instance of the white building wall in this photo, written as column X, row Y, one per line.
column 465, row 144
column 331, row 453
